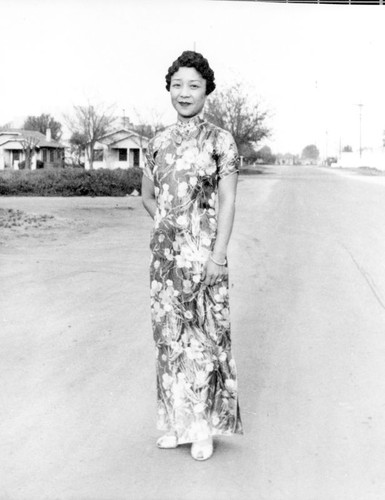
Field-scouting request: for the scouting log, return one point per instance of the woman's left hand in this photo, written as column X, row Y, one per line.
column 213, row 274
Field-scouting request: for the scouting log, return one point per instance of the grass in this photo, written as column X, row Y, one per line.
column 12, row 219
column 370, row 171
column 252, row 169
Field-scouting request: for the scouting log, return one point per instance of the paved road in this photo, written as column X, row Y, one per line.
column 308, row 312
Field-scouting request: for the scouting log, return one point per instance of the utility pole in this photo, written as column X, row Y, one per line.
column 316, row 142
column 195, row 48
column 326, row 143
column 360, row 108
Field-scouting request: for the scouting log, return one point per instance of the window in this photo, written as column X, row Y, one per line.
column 136, row 157
column 122, row 154
column 44, row 155
column 16, row 155
column 98, row 155
column 51, row 155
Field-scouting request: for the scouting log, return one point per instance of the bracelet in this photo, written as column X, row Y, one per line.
column 216, row 262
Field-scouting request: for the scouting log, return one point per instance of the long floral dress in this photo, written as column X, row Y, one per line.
column 196, row 373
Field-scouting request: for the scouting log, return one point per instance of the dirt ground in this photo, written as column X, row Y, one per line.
column 75, row 311
column 77, row 373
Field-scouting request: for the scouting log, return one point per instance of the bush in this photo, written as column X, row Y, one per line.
column 70, row 182
column 39, row 164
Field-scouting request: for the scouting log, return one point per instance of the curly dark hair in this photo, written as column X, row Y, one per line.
column 191, row 59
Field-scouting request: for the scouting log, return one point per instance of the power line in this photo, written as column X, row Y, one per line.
column 330, row 2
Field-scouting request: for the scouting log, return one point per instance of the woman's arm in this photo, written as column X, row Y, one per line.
column 227, row 188
column 148, row 196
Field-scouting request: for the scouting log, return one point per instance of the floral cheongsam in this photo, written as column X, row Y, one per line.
column 196, row 373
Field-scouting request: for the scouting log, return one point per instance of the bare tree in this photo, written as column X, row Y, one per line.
column 92, row 122
column 148, row 128
column 29, row 143
column 6, row 126
column 233, row 110
column 156, row 122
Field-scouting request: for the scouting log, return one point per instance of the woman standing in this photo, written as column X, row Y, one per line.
column 189, row 188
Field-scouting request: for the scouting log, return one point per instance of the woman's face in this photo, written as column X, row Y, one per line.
column 188, row 92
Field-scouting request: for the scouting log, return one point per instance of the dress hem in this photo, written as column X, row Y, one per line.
column 214, row 433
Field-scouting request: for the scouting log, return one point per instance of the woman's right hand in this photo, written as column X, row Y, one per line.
column 213, row 274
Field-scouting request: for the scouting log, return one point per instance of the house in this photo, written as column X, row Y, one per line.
column 369, row 158
column 286, row 159
column 44, row 152
column 121, row 148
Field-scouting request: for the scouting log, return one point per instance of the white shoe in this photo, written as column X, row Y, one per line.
column 202, row 450
column 168, row 441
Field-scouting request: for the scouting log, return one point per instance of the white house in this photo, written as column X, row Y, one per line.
column 371, row 158
column 122, row 148
column 45, row 152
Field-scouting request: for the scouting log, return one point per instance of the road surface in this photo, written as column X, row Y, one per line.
column 77, row 372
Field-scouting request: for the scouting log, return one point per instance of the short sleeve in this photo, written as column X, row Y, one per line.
column 228, row 158
column 149, row 162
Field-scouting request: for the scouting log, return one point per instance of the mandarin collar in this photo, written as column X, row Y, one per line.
column 190, row 124
column 186, row 130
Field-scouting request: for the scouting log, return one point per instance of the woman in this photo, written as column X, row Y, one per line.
column 188, row 166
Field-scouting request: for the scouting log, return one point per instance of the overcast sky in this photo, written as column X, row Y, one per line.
column 310, row 65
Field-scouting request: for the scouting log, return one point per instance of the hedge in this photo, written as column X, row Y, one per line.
column 70, row 182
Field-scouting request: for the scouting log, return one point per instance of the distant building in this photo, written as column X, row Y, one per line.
column 45, row 152
column 370, row 158
column 286, row 159
column 309, row 161
column 122, row 148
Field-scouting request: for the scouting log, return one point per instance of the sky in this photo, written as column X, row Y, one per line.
column 308, row 65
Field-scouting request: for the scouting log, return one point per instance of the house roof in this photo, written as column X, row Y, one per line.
column 11, row 144
column 14, row 134
column 118, row 135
